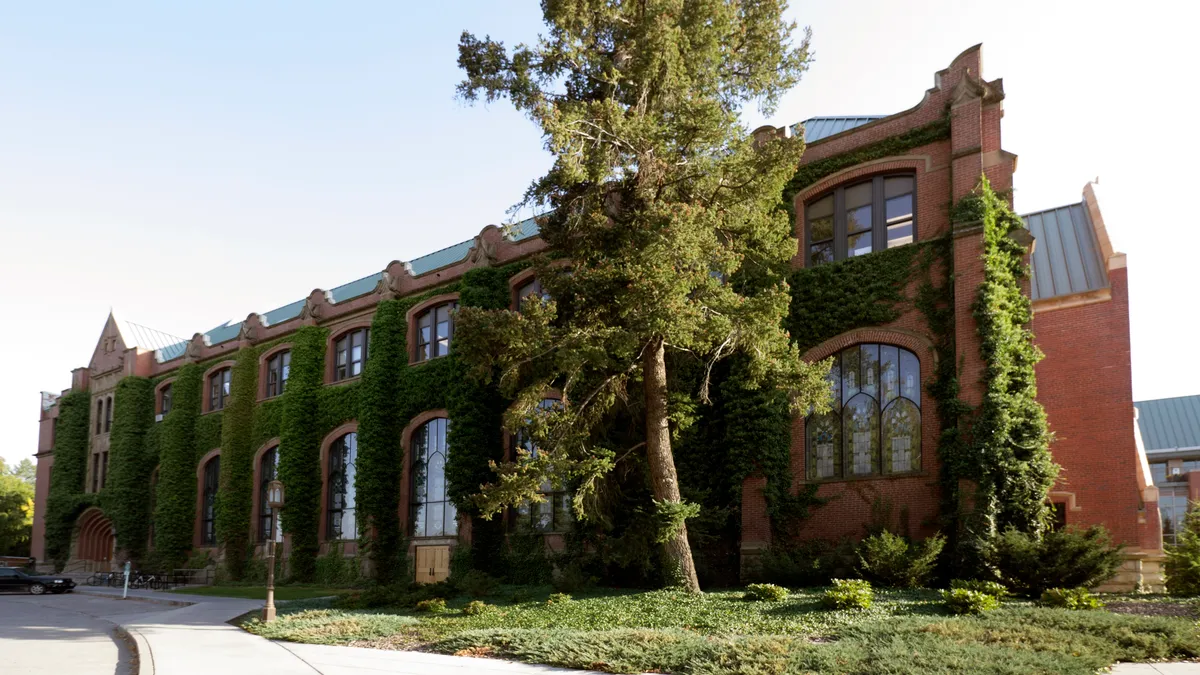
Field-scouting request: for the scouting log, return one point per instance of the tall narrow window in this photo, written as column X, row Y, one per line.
column 218, row 389
column 208, row 498
column 533, row 287
column 554, row 514
column 103, row 469
column 268, row 470
column 277, row 373
column 433, row 514
column 166, row 400
column 96, row 472
column 861, row 218
column 99, row 416
column 343, row 455
column 108, row 415
column 435, row 328
column 874, row 423
column 350, row 354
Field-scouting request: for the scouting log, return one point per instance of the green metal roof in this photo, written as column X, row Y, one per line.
column 166, row 350
column 1066, row 258
column 818, row 128
column 1169, row 423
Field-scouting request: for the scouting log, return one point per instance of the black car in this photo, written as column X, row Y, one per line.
column 13, row 579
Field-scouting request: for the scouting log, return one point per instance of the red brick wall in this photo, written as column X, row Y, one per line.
column 1085, row 384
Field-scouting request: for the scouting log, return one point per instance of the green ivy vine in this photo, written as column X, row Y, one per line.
column 126, row 499
column 175, row 503
column 66, row 499
column 300, row 450
column 236, row 488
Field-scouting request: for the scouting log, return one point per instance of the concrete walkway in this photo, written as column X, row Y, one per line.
column 1156, row 669
column 195, row 639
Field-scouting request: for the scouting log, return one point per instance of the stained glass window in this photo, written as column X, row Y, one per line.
column 874, row 424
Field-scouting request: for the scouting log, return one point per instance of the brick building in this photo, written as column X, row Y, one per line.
column 880, row 447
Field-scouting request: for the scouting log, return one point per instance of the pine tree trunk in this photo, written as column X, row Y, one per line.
column 664, row 481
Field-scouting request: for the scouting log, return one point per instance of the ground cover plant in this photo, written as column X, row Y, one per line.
column 718, row 633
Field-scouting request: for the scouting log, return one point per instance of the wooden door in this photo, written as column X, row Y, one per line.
column 432, row 564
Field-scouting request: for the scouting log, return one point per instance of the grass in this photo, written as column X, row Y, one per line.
column 718, row 633
column 260, row 592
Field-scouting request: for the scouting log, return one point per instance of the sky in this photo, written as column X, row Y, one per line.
column 190, row 163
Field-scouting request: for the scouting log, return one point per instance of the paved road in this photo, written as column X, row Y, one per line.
column 55, row 634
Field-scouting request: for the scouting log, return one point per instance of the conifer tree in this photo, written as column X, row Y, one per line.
column 668, row 217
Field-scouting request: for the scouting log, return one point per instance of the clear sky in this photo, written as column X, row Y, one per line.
column 189, row 163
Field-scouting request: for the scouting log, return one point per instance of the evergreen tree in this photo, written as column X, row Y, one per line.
column 669, row 215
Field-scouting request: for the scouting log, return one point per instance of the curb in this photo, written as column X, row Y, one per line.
column 136, row 644
column 156, row 601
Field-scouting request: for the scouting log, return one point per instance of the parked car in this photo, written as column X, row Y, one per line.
column 13, row 579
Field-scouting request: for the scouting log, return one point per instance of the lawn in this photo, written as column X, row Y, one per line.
column 260, row 592
column 718, row 633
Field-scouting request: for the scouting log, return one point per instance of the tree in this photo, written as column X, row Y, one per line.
column 25, row 470
column 669, row 215
column 16, row 509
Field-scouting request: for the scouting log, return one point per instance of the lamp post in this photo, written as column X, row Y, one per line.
column 275, row 501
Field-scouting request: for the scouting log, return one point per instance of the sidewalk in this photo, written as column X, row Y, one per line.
column 194, row 639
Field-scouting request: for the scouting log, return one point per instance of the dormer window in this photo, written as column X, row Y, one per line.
column 218, row 388
column 435, row 327
column 350, row 354
column 861, row 218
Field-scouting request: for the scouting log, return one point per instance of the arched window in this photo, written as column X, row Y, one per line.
column 218, row 388
column 433, row 514
column 435, row 328
column 108, row 415
column 554, row 514
column 343, row 455
column 860, row 218
column 268, row 470
column 532, row 287
column 874, row 423
column 349, row 354
column 208, row 509
column 278, row 369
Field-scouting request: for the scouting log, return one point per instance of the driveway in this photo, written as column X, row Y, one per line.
column 55, row 634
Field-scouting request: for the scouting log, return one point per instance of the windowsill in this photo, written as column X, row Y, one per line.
column 421, row 363
column 344, row 380
column 263, row 399
column 209, row 412
column 853, row 479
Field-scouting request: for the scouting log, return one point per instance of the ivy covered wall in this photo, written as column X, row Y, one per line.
column 66, row 499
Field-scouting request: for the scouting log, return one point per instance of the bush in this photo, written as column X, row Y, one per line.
column 558, row 599
column 571, row 579
column 476, row 607
column 890, row 560
column 767, row 592
column 519, row 595
column 433, row 606
column 992, row 588
column 1183, row 559
column 1068, row 558
column 964, row 601
column 1071, row 598
column 848, row 594
column 375, row 597
column 478, row 584
column 810, row 563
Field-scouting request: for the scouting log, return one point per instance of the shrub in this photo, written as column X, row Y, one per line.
column 519, row 595
column 432, row 605
column 1071, row 598
column 810, row 563
column 848, row 594
column 767, row 592
column 570, row 579
column 1068, row 558
column 478, row 584
column 992, row 588
column 374, row 598
column 890, row 560
column 964, row 601
column 1183, row 559
column 558, row 599
column 476, row 607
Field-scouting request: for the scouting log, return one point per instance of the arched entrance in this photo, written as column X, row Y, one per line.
column 96, row 540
